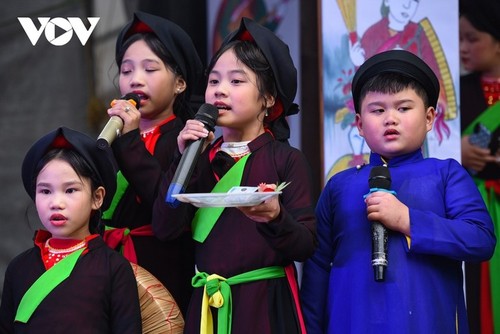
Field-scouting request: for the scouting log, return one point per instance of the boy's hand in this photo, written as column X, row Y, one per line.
column 388, row 210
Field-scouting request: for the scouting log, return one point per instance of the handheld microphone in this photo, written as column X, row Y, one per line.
column 207, row 114
column 113, row 128
column 379, row 178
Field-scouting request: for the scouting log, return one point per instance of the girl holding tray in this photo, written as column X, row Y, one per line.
column 246, row 279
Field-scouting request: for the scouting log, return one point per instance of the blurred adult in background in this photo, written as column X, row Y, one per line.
column 480, row 120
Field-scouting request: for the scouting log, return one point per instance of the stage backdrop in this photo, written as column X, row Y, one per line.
column 353, row 31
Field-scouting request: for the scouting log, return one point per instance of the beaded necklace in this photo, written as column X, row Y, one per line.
column 236, row 150
column 491, row 90
column 55, row 255
column 147, row 133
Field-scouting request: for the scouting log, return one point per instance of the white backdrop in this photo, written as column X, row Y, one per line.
column 342, row 145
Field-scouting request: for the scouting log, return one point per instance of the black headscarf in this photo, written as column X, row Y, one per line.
column 64, row 137
column 278, row 56
column 484, row 15
column 396, row 61
column 176, row 41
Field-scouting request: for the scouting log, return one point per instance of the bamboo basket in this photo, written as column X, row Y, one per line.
column 159, row 311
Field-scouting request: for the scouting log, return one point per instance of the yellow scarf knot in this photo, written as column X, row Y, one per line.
column 217, row 293
column 212, row 288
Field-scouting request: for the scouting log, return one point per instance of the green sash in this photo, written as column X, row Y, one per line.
column 205, row 218
column 489, row 118
column 121, row 187
column 45, row 284
column 217, row 293
column 493, row 203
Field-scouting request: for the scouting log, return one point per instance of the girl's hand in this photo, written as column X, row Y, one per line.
column 193, row 130
column 388, row 210
column 475, row 157
column 127, row 112
column 264, row 212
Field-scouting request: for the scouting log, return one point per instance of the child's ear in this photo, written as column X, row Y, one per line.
column 180, row 85
column 359, row 124
column 270, row 101
column 430, row 115
column 98, row 198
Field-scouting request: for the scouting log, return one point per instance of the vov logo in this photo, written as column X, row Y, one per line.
column 66, row 26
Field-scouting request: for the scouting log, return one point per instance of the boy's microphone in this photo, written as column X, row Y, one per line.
column 115, row 124
column 379, row 178
column 207, row 114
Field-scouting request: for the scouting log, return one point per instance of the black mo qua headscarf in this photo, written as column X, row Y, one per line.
column 278, row 56
column 176, row 41
column 85, row 146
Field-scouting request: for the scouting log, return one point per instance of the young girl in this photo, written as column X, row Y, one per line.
column 70, row 280
column 158, row 61
column 480, row 106
column 245, row 261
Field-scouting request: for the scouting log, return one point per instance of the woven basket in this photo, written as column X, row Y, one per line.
column 159, row 311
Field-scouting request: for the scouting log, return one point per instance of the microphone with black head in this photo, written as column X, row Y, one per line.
column 207, row 114
column 380, row 178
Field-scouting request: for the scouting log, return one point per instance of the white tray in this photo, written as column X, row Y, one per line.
column 236, row 196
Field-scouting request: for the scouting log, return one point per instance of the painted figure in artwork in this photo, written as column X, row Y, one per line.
column 395, row 30
column 230, row 13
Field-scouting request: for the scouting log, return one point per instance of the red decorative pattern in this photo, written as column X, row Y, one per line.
column 491, row 90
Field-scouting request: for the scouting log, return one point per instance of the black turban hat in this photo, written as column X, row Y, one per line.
column 484, row 15
column 396, row 61
column 176, row 41
column 63, row 137
column 278, row 56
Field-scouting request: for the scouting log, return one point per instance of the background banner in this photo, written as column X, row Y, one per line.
column 353, row 31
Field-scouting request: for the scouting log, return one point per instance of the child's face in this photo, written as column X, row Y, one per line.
column 394, row 124
column 64, row 201
column 142, row 72
column 232, row 87
column 479, row 51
